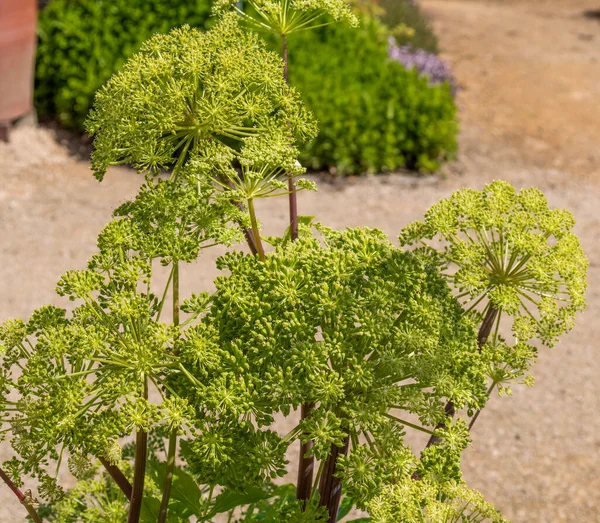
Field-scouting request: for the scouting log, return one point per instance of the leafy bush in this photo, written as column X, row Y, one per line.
column 82, row 43
column 410, row 27
column 373, row 114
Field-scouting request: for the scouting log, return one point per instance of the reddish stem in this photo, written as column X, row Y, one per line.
column 118, row 477
column 330, row 487
column 137, row 494
column 482, row 337
column 24, row 499
column 307, row 463
column 293, row 199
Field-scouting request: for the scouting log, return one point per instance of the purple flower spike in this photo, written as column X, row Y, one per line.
column 428, row 64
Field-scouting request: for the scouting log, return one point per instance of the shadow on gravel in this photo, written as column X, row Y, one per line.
column 594, row 14
column 79, row 146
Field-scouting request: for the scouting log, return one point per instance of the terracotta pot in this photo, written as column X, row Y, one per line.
column 18, row 20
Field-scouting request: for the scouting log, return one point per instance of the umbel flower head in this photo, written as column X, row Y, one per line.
column 200, row 96
column 284, row 17
column 433, row 502
column 360, row 328
column 508, row 250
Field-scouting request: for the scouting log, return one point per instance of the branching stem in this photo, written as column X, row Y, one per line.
column 482, row 337
column 118, row 477
column 255, row 231
column 25, row 499
column 474, row 418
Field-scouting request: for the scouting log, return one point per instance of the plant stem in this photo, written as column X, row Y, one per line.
column 474, row 418
column 25, row 499
column 255, row 232
column 139, row 471
column 247, row 232
column 176, row 293
column 330, row 487
column 164, row 506
column 118, row 477
column 486, row 326
column 293, row 199
column 286, row 59
column 307, row 463
column 482, row 337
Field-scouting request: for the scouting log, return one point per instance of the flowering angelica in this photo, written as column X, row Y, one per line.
column 508, row 252
column 209, row 97
column 284, row 17
column 175, row 420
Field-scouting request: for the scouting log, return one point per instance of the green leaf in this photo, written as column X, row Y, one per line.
column 345, row 507
column 186, row 496
column 229, row 500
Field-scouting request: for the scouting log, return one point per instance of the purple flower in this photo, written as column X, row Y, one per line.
column 428, row 64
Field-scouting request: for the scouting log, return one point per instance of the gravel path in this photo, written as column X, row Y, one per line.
column 536, row 455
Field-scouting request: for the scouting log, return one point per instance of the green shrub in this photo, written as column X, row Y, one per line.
column 373, row 114
column 406, row 14
column 83, row 42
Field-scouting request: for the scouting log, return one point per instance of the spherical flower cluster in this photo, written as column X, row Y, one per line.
column 508, row 250
column 354, row 325
column 410, row 500
column 200, row 99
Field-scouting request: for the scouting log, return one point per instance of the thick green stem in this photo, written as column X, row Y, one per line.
column 25, row 499
column 164, row 506
column 330, row 487
column 118, row 477
column 255, row 231
column 176, row 293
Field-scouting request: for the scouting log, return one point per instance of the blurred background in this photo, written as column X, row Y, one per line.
column 427, row 96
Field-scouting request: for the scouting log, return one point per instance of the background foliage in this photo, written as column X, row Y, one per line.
column 396, row 13
column 83, row 42
column 374, row 116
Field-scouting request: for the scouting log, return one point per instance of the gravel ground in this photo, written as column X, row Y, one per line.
column 536, row 455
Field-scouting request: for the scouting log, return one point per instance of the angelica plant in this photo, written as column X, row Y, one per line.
column 162, row 406
column 508, row 255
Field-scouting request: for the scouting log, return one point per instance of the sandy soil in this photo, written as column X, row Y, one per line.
column 535, row 455
column 530, row 75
